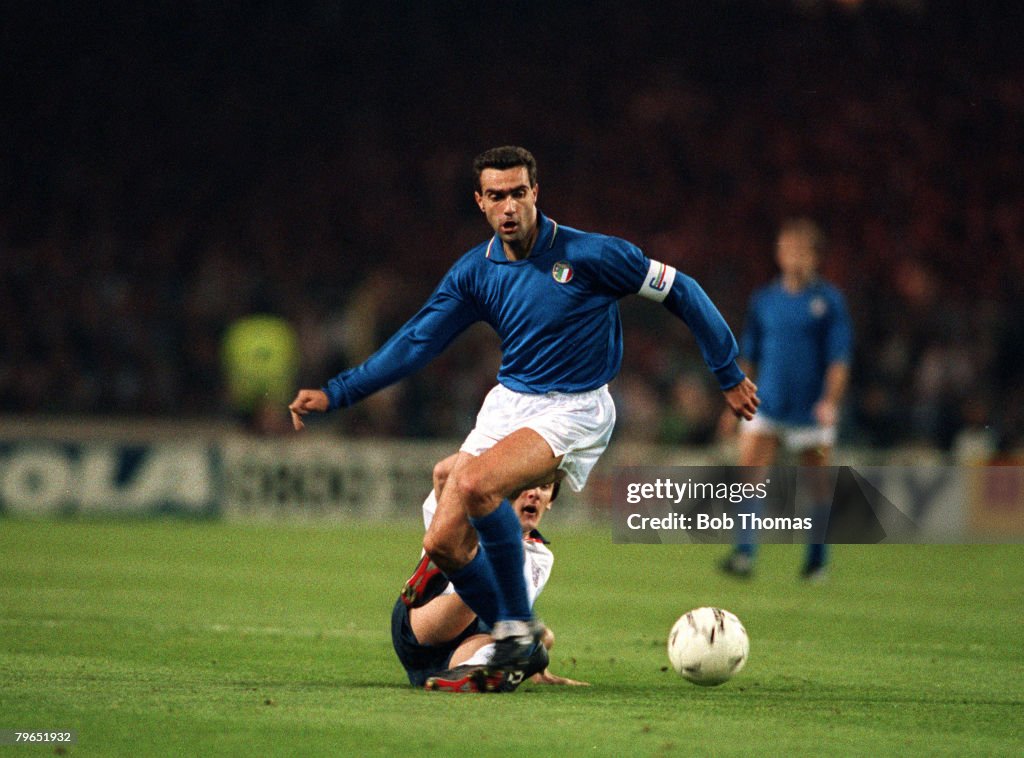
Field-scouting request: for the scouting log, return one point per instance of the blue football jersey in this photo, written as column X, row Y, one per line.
column 793, row 338
column 556, row 313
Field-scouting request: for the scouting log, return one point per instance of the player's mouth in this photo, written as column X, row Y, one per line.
column 531, row 509
column 509, row 227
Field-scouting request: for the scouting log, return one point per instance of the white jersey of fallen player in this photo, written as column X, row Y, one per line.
column 536, row 567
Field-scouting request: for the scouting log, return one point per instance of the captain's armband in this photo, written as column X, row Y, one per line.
column 658, row 282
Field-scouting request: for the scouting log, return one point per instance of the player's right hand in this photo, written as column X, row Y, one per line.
column 305, row 402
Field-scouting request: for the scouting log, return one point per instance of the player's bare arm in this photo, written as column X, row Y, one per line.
column 305, row 402
column 545, row 676
column 826, row 410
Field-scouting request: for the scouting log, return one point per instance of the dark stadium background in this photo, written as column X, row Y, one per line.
column 164, row 167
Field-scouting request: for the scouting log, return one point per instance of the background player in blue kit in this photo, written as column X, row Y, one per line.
column 797, row 342
column 551, row 293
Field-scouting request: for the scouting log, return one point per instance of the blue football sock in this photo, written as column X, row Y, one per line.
column 816, row 554
column 746, row 537
column 748, row 549
column 817, row 551
column 501, row 536
column 476, row 585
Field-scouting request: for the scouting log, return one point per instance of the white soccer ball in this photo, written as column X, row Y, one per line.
column 708, row 646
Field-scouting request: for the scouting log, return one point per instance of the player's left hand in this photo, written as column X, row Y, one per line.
column 743, row 399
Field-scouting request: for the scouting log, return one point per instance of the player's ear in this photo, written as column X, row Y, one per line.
column 479, row 200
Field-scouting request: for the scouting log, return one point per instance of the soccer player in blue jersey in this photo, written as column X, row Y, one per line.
column 551, row 294
column 797, row 343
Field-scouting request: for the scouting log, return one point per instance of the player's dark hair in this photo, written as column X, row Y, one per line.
column 555, row 486
column 501, row 158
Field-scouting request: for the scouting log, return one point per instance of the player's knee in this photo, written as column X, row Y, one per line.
column 436, row 546
column 476, row 496
column 446, row 553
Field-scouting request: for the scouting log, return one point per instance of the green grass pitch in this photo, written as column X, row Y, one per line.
column 181, row 638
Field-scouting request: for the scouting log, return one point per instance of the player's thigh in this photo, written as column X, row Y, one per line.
column 520, row 460
column 816, row 456
column 441, row 620
column 758, row 448
column 817, row 473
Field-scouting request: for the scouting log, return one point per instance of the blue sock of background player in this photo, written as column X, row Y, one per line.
column 817, row 550
column 746, row 536
column 816, row 555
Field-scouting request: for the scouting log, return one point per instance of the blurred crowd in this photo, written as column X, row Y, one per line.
column 170, row 172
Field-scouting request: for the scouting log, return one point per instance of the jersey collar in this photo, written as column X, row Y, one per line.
column 535, row 536
column 545, row 240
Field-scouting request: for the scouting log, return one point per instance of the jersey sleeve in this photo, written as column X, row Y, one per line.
column 839, row 339
column 753, row 332
column 687, row 300
column 445, row 315
column 628, row 271
column 623, row 268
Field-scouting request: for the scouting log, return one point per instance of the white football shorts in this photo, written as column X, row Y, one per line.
column 576, row 426
column 792, row 437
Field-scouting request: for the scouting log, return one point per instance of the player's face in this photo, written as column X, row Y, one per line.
column 532, row 504
column 796, row 256
column 510, row 204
